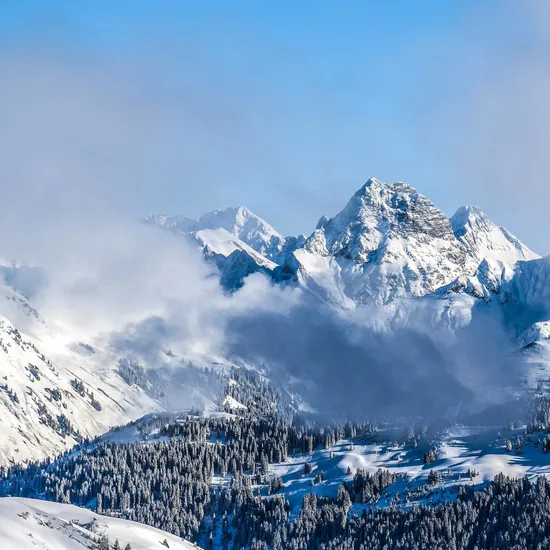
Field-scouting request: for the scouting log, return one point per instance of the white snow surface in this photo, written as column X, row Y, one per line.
column 37, row 524
column 233, row 404
column 244, row 224
column 494, row 248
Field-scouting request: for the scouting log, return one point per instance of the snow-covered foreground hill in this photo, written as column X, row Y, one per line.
column 41, row 525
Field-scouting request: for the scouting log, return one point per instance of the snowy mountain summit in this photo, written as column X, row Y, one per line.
column 247, row 227
column 392, row 242
column 388, row 242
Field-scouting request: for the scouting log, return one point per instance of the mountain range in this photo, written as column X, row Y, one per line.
column 388, row 242
column 390, row 248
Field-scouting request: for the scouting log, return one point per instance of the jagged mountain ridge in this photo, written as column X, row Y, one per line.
column 388, row 242
column 391, row 243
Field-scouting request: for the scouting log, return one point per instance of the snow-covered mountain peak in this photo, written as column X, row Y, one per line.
column 389, row 241
column 468, row 216
column 242, row 223
column 493, row 248
column 378, row 212
column 247, row 230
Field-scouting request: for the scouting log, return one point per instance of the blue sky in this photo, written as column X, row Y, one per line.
column 286, row 107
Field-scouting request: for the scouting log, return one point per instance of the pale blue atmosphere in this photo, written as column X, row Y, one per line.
column 289, row 107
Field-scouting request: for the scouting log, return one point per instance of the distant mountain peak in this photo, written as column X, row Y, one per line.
column 246, row 227
column 239, row 221
column 486, row 240
column 470, row 217
column 177, row 223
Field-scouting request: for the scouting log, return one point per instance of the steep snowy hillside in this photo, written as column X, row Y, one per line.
column 526, row 301
column 55, row 389
column 37, row 524
column 220, row 241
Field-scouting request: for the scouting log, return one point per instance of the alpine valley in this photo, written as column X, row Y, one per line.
column 248, row 444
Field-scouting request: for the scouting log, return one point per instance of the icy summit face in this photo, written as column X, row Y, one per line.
column 485, row 239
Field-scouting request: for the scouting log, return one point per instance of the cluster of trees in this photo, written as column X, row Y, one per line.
column 103, row 544
column 257, row 393
column 367, row 487
column 509, row 514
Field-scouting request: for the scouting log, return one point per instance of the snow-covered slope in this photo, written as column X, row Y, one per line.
column 55, row 389
column 220, row 241
column 526, row 301
column 37, row 524
column 247, row 227
column 487, row 241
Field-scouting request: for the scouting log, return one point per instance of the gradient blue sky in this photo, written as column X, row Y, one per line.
column 285, row 107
